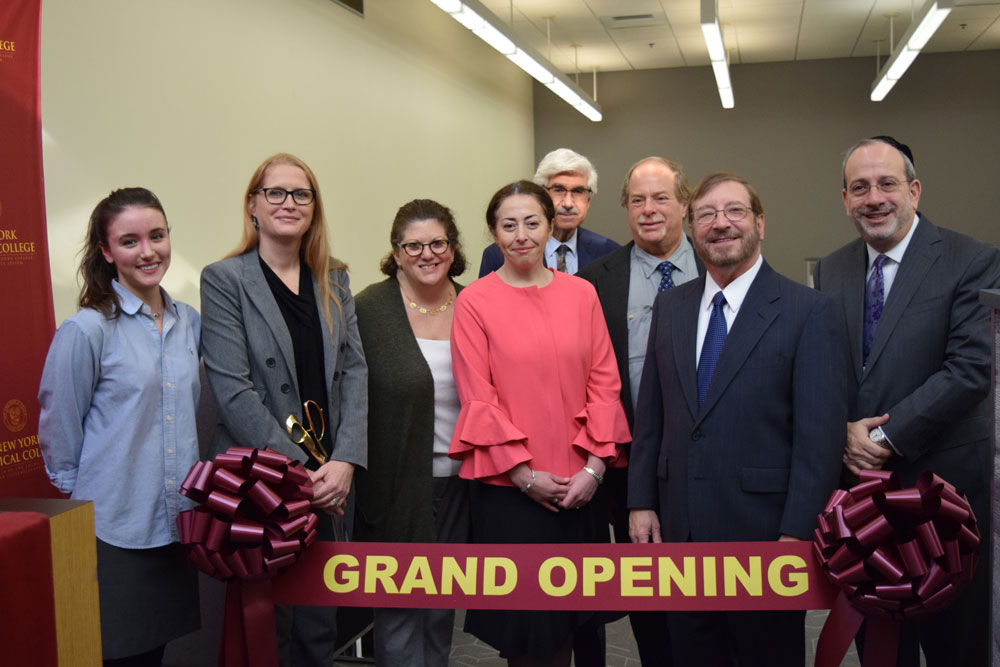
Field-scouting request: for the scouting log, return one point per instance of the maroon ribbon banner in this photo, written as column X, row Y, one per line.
column 894, row 554
column 253, row 521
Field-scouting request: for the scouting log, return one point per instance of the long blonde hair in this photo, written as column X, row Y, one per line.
column 315, row 243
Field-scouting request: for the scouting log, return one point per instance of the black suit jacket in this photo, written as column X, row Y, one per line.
column 589, row 246
column 929, row 366
column 610, row 276
column 761, row 456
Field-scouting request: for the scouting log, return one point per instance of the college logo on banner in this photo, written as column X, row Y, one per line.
column 26, row 297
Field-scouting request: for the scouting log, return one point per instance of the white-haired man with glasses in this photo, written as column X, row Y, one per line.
column 571, row 181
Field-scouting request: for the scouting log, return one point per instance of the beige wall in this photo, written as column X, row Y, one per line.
column 791, row 123
column 187, row 97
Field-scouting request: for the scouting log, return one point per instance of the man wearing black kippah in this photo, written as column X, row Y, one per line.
column 919, row 345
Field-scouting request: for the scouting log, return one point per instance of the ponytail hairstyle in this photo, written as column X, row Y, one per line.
column 95, row 271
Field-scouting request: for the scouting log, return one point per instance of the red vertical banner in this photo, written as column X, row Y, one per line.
column 26, row 317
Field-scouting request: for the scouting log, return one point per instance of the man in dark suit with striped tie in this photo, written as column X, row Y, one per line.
column 919, row 348
column 739, row 419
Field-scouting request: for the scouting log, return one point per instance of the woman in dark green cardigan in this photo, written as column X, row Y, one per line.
column 411, row 491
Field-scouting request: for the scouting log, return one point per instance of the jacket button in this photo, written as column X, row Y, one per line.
column 696, row 435
column 270, row 362
column 336, row 375
column 285, row 389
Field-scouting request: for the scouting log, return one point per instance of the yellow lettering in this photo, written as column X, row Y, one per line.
column 732, row 571
column 630, row 576
column 545, row 576
column 686, row 580
column 379, row 569
column 451, row 574
column 596, row 570
column 347, row 581
column 491, row 567
column 799, row 579
column 418, row 575
column 708, row 575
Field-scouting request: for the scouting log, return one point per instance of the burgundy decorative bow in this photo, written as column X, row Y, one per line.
column 253, row 521
column 895, row 554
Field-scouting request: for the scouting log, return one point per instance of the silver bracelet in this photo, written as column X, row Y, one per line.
column 528, row 488
column 593, row 473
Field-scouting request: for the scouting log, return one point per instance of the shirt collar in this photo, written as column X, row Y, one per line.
column 131, row 304
column 648, row 263
column 553, row 243
column 896, row 252
column 735, row 292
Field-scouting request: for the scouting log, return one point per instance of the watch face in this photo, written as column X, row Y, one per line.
column 876, row 435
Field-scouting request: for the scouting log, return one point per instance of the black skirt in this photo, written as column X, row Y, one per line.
column 147, row 598
column 504, row 515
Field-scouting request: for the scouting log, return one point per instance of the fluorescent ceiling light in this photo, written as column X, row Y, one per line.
column 485, row 25
column 717, row 52
column 925, row 23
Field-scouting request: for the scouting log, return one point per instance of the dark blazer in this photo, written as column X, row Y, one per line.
column 929, row 366
column 760, row 457
column 589, row 246
column 250, row 363
column 610, row 276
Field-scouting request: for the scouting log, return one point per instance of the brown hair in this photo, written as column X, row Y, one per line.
column 316, row 247
column 520, row 188
column 95, row 271
column 717, row 177
column 424, row 209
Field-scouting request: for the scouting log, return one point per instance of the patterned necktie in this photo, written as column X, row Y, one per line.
column 561, row 258
column 874, row 303
column 715, row 337
column 666, row 268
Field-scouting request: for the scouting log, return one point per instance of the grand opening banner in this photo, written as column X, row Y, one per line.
column 25, row 283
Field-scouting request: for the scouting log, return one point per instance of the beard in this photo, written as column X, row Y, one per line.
column 748, row 246
column 896, row 220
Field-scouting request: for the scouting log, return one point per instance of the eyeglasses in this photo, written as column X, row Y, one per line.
column 415, row 249
column 302, row 196
column 886, row 186
column 558, row 192
column 733, row 213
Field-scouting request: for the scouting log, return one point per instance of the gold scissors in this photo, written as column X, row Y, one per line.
column 306, row 437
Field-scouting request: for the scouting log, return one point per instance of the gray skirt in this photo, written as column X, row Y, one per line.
column 148, row 597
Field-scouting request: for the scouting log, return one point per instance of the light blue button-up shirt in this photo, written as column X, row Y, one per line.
column 118, row 416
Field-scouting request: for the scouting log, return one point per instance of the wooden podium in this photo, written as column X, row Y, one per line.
column 72, row 593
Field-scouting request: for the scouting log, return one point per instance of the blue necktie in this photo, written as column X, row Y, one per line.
column 715, row 337
column 874, row 303
column 666, row 268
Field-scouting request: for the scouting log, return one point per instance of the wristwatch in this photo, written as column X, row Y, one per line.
column 878, row 436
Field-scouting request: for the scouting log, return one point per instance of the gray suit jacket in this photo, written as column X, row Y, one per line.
column 250, row 363
column 929, row 366
column 761, row 455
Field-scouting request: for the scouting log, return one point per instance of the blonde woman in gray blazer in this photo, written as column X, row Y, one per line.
column 278, row 331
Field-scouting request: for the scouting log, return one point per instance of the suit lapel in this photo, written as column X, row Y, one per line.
column 684, row 324
column 854, row 304
column 259, row 293
column 920, row 255
column 758, row 311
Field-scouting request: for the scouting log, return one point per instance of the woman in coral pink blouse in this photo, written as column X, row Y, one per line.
column 541, row 418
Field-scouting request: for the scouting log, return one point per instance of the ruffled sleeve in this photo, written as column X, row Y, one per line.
column 603, row 426
column 485, row 440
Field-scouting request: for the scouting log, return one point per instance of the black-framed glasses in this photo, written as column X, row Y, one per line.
column 302, row 196
column 415, row 249
column 733, row 213
column 886, row 186
column 558, row 192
